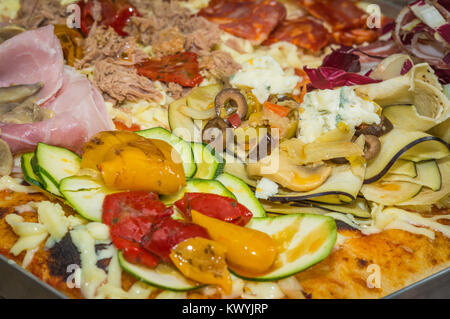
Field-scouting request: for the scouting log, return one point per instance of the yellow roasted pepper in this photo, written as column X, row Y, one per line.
column 249, row 251
column 203, row 260
column 128, row 161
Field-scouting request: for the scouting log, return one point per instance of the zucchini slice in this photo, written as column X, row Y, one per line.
column 403, row 167
column 52, row 164
column 398, row 143
column 428, row 175
column 183, row 148
column 303, row 241
column 406, row 117
column 27, row 170
column 390, row 193
column 208, row 163
column 341, row 187
column 163, row 276
column 358, row 208
column 244, row 195
column 198, row 186
column 85, row 195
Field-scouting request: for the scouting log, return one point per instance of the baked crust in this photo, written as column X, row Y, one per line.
column 403, row 258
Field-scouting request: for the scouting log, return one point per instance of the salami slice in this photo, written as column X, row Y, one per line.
column 339, row 14
column 248, row 19
column 304, row 32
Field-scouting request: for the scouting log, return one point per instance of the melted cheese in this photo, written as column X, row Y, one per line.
column 323, row 110
column 265, row 76
column 396, row 218
column 14, row 184
column 91, row 276
column 262, row 290
column 31, row 235
column 53, row 217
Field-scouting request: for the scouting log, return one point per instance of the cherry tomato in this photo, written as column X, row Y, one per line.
column 168, row 233
column 181, row 68
column 115, row 14
column 220, row 207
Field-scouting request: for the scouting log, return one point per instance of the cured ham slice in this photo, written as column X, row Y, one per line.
column 31, row 57
column 79, row 112
column 249, row 19
column 304, row 32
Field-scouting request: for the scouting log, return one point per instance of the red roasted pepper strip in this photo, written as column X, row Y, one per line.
column 212, row 205
column 141, row 227
column 168, row 233
column 130, row 216
column 115, row 14
column 181, row 68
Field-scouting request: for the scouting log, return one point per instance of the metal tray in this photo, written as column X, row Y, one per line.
column 17, row 283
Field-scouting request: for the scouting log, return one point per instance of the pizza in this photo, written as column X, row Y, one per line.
column 225, row 148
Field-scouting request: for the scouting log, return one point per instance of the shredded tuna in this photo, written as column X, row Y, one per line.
column 176, row 91
column 219, row 64
column 200, row 34
column 168, row 42
column 37, row 13
column 105, row 43
column 123, row 83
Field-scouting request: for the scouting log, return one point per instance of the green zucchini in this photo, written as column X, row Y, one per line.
column 198, row 186
column 244, row 195
column 52, row 163
column 310, row 240
column 209, row 164
column 27, row 170
column 163, row 276
column 183, row 148
column 85, row 195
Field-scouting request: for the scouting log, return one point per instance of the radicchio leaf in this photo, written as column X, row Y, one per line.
column 407, row 65
column 329, row 78
column 338, row 69
column 344, row 59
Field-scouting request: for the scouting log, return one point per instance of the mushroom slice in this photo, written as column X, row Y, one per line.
column 10, row 31
column 230, row 101
column 377, row 130
column 280, row 169
column 6, row 159
column 18, row 93
column 26, row 112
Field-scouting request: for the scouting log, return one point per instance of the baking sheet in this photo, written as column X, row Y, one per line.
column 17, row 283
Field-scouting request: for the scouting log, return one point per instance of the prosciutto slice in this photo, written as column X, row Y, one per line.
column 31, row 57
column 79, row 112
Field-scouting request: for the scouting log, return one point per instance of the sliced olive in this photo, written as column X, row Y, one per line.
column 214, row 133
column 230, row 101
column 372, row 147
column 18, row 93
